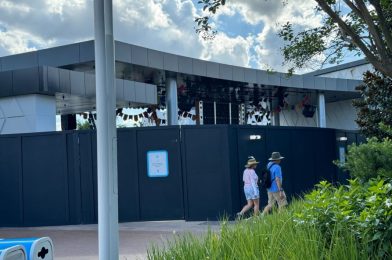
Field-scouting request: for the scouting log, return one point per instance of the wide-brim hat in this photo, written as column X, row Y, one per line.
column 251, row 161
column 275, row 156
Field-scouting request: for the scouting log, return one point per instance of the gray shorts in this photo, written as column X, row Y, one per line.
column 250, row 193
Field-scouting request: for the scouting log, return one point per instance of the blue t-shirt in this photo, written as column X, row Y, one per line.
column 276, row 171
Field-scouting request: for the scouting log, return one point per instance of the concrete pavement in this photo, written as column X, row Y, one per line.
column 81, row 241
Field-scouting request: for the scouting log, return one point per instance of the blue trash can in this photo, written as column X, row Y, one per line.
column 36, row 248
column 13, row 253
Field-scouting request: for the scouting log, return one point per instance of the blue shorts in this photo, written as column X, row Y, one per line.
column 250, row 193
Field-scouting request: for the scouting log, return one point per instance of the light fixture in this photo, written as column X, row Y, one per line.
column 254, row 137
column 342, row 139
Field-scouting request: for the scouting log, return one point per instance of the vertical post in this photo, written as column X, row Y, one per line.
column 214, row 112
column 276, row 117
column 201, row 119
column 171, row 101
column 322, row 122
column 106, row 131
column 241, row 110
column 230, row 113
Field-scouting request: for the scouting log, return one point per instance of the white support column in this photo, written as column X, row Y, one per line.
column 321, row 116
column 106, row 131
column 201, row 119
column 214, row 112
column 241, row 116
column 230, row 113
column 27, row 114
column 171, row 101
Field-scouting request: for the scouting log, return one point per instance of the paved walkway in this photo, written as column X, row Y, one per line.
column 81, row 241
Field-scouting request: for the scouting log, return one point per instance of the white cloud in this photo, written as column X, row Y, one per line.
column 166, row 25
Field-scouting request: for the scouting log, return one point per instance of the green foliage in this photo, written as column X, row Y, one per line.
column 83, row 125
column 363, row 208
column 275, row 236
column 369, row 160
column 362, row 27
column 375, row 106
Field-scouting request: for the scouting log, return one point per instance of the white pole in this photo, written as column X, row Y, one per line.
column 171, row 101
column 321, row 111
column 230, row 113
column 106, row 131
column 214, row 112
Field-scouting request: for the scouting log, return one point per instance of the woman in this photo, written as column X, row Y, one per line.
column 251, row 189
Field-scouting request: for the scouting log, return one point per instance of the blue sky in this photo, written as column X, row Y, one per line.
column 247, row 28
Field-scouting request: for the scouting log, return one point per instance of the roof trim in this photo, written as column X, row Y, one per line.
column 338, row 68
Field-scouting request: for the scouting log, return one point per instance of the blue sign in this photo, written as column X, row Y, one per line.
column 157, row 164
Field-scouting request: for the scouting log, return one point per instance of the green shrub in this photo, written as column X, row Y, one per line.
column 370, row 160
column 276, row 236
column 363, row 208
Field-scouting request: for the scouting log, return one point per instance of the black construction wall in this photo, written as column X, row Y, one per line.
column 51, row 178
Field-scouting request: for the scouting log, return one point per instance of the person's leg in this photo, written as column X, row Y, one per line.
column 256, row 202
column 247, row 207
column 282, row 202
column 271, row 202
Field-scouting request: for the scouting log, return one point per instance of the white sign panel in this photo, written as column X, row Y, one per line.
column 157, row 164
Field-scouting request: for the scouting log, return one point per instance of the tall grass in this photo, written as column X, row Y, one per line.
column 275, row 236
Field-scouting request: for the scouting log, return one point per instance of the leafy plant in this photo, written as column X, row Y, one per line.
column 370, row 159
column 363, row 208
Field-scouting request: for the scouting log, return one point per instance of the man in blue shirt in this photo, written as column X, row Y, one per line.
column 275, row 192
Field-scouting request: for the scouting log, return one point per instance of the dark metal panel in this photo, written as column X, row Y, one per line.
column 256, row 148
column 155, row 59
column 74, row 192
column 212, row 69
column 185, row 65
column 151, row 94
column 161, row 197
column 65, row 81
column 274, row 78
column 262, row 77
column 11, row 211
column 139, row 55
column 86, row 51
column 53, row 80
column 250, row 75
column 238, row 74
column 59, row 56
column 225, row 71
column 77, row 83
column 123, row 52
column 140, row 92
column 309, row 82
column 6, row 84
column 319, row 83
column 89, row 80
column 222, row 113
column 199, row 67
column 341, row 84
column 45, row 187
column 279, row 140
column 170, row 62
column 129, row 90
column 87, row 178
column 119, row 89
column 25, row 81
column 20, row 61
column 128, row 182
column 208, row 185
column 331, row 84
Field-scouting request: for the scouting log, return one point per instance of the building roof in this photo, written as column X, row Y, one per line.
column 338, row 68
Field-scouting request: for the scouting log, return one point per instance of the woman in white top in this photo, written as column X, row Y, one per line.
column 251, row 189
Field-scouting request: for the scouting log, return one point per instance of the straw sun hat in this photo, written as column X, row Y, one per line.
column 251, row 161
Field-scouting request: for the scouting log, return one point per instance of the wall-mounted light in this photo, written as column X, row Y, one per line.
column 254, row 137
column 342, row 139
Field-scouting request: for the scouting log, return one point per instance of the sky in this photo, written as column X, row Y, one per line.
column 247, row 28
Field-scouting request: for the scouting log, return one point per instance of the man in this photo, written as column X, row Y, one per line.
column 275, row 192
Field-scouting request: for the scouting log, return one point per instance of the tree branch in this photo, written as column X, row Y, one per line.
column 372, row 28
column 354, row 37
column 383, row 23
